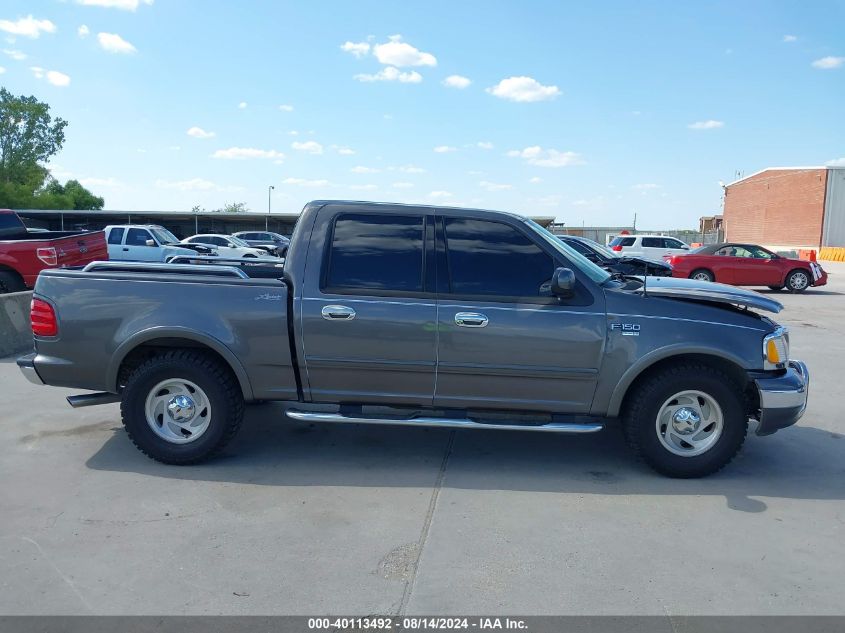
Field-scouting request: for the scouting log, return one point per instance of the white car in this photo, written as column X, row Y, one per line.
column 648, row 246
column 226, row 245
column 143, row 243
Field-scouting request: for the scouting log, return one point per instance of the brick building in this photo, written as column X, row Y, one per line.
column 787, row 207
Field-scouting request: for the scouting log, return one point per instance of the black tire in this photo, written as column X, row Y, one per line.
column 703, row 272
column 776, row 287
column 798, row 280
column 639, row 419
column 213, row 377
column 11, row 282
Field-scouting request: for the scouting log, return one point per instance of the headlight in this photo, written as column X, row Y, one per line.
column 776, row 349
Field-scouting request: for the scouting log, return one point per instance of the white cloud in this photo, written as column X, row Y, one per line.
column 240, row 153
column 410, row 169
column 101, row 183
column 440, row 194
column 485, row 145
column 359, row 49
column 360, row 169
column 790, row 38
column 302, row 182
column 194, row 184
column 344, row 151
column 402, row 185
column 27, row 27
column 445, row 149
column 828, row 63
column 535, row 180
column 710, row 124
column 494, row 186
column 53, row 76
column 540, row 157
column 198, row 132
column 399, row 53
column 311, row 147
column 83, row 31
column 646, row 186
column 390, row 73
column 523, row 90
column 456, row 81
column 286, row 108
column 242, row 105
column 113, row 43
column 836, row 162
column 18, row 56
column 125, row 5
column 364, row 187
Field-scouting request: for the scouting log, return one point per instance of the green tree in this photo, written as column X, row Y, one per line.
column 234, row 207
column 28, row 136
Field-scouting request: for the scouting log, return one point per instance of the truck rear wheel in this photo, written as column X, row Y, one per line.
column 181, row 407
column 11, row 282
column 686, row 421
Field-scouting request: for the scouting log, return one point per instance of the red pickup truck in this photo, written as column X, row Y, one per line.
column 24, row 254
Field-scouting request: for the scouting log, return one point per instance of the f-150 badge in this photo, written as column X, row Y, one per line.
column 627, row 329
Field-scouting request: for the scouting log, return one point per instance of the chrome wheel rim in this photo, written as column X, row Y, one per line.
column 689, row 423
column 701, row 276
column 178, row 411
column 799, row 281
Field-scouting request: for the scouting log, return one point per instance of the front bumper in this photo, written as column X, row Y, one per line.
column 783, row 399
column 27, row 365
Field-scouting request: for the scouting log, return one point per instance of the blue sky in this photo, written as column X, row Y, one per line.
column 589, row 112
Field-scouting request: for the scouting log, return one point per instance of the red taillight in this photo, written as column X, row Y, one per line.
column 617, row 248
column 43, row 318
column 48, row 255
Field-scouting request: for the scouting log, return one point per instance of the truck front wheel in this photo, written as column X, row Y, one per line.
column 686, row 421
column 181, row 407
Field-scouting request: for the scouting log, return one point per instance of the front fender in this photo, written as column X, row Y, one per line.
column 657, row 355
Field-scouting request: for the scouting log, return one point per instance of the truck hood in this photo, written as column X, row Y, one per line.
column 643, row 261
column 705, row 291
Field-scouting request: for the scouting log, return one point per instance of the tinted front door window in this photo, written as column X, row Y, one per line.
column 492, row 258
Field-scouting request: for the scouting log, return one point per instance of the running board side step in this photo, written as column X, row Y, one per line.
column 92, row 399
column 452, row 423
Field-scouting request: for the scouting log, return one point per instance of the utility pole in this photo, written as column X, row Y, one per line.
column 269, row 206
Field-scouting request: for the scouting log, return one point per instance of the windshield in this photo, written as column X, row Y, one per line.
column 601, row 249
column 238, row 242
column 583, row 264
column 164, row 236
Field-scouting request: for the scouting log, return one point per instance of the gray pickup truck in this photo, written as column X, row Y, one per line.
column 419, row 316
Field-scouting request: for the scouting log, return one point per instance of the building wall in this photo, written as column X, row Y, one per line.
column 777, row 207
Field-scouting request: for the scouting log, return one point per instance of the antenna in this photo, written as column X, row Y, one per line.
column 645, row 277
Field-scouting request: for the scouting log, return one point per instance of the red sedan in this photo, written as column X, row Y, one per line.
column 747, row 265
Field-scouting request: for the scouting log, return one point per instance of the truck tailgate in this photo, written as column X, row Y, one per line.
column 77, row 250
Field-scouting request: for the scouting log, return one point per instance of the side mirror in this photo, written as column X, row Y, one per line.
column 563, row 283
column 150, row 243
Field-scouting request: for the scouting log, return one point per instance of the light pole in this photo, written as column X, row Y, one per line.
column 269, row 201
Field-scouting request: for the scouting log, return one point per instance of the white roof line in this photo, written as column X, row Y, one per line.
column 780, row 169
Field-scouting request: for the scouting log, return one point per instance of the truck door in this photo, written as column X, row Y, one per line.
column 368, row 311
column 115, row 242
column 504, row 341
column 135, row 248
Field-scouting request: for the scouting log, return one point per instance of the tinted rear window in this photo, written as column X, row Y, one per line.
column 377, row 252
column 116, row 235
column 654, row 242
column 622, row 241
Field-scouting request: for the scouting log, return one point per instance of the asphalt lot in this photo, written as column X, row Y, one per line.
column 359, row 520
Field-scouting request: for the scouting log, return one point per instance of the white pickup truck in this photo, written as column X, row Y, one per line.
column 147, row 243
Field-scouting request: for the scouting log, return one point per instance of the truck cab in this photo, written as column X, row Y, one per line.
column 143, row 243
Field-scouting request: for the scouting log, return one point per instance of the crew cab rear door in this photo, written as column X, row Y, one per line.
column 368, row 310
column 504, row 341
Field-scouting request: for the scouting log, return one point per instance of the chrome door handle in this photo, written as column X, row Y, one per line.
column 470, row 319
column 337, row 313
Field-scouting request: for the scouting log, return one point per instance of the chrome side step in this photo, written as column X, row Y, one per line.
column 459, row 423
column 92, row 399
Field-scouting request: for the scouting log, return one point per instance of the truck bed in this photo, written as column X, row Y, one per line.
column 133, row 307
